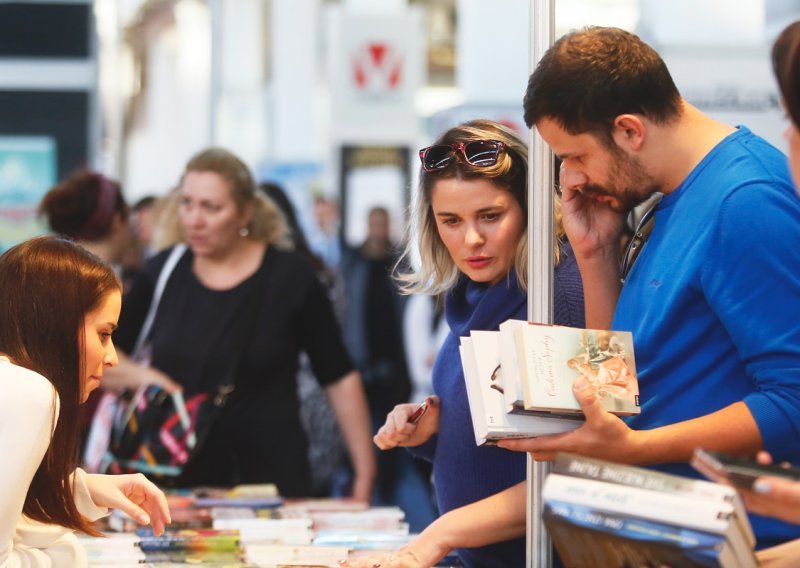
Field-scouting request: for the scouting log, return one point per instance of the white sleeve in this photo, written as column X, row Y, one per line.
column 83, row 499
column 28, row 407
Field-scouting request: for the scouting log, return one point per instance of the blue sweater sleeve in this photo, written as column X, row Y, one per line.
column 568, row 307
column 757, row 298
column 425, row 451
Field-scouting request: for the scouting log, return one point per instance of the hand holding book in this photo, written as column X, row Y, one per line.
column 409, row 425
column 604, row 435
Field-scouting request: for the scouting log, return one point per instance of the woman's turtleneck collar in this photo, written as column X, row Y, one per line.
column 475, row 305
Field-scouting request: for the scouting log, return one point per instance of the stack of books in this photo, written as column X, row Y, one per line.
column 599, row 513
column 242, row 528
column 189, row 546
column 519, row 379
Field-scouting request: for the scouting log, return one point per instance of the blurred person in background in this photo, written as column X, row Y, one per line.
column 373, row 327
column 237, row 240
column 373, row 331
column 324, row 238
column 90, row 209
column 145, row 220
column 325, row 444
column 143, row 224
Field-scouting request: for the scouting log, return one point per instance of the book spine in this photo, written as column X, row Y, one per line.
column 468, row 364
column 512, row 384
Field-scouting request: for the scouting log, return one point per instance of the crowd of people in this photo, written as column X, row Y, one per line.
column 318, row 335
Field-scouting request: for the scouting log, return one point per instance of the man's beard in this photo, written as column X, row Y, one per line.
column 629, row 184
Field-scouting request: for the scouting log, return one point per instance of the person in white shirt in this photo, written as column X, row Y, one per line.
column 60, row 306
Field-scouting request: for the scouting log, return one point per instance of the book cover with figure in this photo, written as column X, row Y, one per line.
column 551, row 357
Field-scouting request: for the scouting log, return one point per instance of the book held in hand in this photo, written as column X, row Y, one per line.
column 551, row 357
column 480, row 358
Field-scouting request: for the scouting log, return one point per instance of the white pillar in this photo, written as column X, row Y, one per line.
column 295, row 80
column 493, row 51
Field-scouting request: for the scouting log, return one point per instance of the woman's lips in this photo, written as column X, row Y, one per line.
column 478, row 261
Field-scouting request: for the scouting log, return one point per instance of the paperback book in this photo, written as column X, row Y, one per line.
column 551, row 357
column 628, row 516
column 485, row 383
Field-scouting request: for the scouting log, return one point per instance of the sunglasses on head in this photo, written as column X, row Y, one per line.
column 480, row 153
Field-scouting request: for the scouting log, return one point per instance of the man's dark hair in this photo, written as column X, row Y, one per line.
column 591, row 76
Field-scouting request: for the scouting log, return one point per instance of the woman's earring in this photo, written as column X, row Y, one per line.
column 244, row 231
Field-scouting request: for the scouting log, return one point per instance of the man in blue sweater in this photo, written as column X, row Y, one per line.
column 713, row 298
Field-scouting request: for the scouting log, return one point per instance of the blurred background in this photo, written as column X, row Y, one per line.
column 328, row 98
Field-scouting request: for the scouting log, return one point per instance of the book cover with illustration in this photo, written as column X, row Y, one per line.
column 551, row 357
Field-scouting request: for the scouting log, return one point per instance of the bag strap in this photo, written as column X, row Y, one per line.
column 245, row 324
column 163, row 276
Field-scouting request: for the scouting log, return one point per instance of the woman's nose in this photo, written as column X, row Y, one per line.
column 111, row 359
column 473, row 236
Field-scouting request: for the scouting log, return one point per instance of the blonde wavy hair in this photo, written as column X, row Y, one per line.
column 437, row 272
column 268, row 224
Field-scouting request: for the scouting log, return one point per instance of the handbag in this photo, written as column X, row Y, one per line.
column 112, row 404
column 157, row 433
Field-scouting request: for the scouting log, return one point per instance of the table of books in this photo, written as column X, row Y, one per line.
column 250, row 526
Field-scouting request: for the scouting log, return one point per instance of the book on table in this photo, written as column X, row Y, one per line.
column 620, row 515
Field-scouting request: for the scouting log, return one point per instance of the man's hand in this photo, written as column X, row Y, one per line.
column 593, row 226
column 603, row 436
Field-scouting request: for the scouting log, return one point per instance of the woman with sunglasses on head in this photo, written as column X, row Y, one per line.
column 60, row 306
column 473, row 247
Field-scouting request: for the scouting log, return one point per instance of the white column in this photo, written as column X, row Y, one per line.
column 295, row 80
column 493, row 51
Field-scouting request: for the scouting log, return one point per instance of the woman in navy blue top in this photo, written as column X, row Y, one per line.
column 473, row 247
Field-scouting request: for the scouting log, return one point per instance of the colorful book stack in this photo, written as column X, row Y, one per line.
column 519, row 379
column 241, row 528
column 604, row 514
column 189, row 546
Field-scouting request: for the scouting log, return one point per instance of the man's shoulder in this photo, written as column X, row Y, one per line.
column 749, row 158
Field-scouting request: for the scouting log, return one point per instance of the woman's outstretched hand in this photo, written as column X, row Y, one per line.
column 134, row 494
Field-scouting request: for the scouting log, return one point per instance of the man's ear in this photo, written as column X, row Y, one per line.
column 629, row 131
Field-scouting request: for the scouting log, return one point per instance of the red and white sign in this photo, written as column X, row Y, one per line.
column 378, row 68
column 375, row 63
